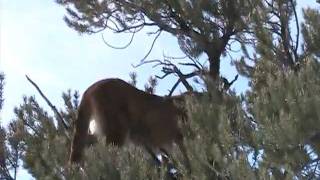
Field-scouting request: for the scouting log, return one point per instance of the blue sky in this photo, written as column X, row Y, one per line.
column 34, row 40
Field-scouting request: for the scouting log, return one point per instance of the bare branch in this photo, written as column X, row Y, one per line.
column 194, row 63
column 174, row 87
column 226, row 84
column 157, row 61
column 135, row 27
column 121, row 47
column 298, row 30
column 174, row 57
column 59, row 116
column 169, row 68
column 163, row 76
column 152, row 45
column 183, row 78
column 234, row 80
column 190, row 64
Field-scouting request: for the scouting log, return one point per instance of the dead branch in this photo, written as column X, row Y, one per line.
column 152, row 45
column 54, row 109
column 226, row 84
column 298, row 30
column 191, row 64
column 174, row 87
column 169, row 68
column 156, row 62
column 183, row 78
column 116, row 47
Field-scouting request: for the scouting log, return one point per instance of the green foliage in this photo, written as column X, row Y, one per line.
column 46, row 151
column 273, row 26
column 45, row 148
column 266, row 134
column 271, row 132
column 1, row 89
column 11, row 147
column 109, row 162
column 311, row 30
column 215, row 138
column 284, row 106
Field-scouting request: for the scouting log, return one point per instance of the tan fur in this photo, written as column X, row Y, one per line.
column 125, row 112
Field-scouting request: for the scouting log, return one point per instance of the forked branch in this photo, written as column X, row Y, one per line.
column 226, row 84
column 169, row 68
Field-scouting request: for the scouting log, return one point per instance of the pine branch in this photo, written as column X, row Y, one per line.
column 59, row 116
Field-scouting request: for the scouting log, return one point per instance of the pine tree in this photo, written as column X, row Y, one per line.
column 286, row 117
column 270, row 132
column 201, row 27
column 1, row 89
column 11, row 147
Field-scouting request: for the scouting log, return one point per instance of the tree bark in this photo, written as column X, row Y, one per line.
column 214, row 52
column 214, row 70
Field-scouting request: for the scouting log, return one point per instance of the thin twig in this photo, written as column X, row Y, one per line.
column 121, row 47
column 235, row 78
column 191, row 64
column 152, row 45
column 147, row 62
column 60, row 118
column 32, row 128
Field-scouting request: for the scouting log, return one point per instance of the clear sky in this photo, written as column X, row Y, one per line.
column 34, row 40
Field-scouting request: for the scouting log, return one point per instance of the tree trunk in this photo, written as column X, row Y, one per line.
column 214, row 52
column 214, row 70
